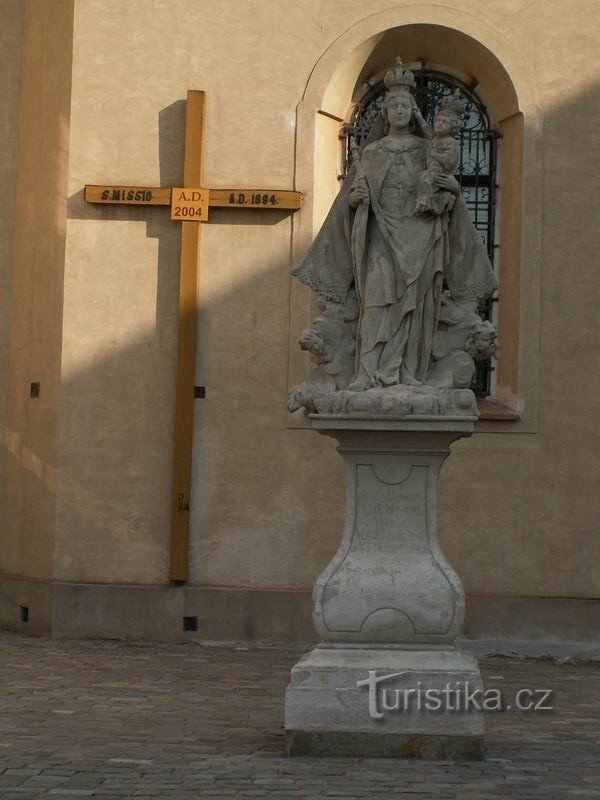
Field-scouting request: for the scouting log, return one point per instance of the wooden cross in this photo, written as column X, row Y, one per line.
column 190, row 205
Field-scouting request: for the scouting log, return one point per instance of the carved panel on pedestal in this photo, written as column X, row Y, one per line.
column 386, row 583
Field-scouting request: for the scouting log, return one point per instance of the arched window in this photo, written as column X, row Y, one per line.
column 476, row 170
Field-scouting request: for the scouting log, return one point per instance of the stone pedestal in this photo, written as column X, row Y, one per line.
column 386, row 679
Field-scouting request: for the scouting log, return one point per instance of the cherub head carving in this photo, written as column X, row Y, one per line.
column 482, row 341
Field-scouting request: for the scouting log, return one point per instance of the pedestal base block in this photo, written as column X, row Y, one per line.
column 370, row 702
column 336, row 744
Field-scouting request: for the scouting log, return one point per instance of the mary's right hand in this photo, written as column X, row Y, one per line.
column 359, row 194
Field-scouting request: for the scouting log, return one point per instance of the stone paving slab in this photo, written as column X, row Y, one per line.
column 141, row 720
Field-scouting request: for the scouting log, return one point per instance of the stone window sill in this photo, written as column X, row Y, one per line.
column 493, row 409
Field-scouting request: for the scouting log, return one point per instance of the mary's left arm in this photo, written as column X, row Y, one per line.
column 447, row 182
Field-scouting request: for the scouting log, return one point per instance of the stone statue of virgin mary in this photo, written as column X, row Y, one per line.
column 398, row 282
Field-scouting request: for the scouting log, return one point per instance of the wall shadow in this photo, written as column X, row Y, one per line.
column 117, row 414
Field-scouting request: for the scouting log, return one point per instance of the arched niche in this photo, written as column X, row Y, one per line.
column 461, row 45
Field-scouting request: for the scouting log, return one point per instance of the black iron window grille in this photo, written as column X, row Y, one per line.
column 476, row 171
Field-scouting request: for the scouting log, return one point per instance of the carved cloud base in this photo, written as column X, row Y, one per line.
column 393, row 401
column 388, row 602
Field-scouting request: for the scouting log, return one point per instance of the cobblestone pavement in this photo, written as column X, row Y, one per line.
column 185, row 721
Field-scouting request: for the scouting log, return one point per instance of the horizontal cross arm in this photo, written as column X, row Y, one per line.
column 256, row 198
column 128, row 195
column 259, row 199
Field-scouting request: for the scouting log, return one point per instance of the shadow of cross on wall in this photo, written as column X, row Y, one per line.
column 192, row 207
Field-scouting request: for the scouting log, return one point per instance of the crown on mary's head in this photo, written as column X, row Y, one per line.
column 397, row 79
column 454, row 104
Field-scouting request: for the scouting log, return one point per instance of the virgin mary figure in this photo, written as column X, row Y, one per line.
column 396, row 259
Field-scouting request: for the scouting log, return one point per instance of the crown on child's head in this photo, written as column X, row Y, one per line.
column 454, row 104
column 398, row 79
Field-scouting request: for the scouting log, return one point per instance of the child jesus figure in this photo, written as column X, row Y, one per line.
column 442, row 158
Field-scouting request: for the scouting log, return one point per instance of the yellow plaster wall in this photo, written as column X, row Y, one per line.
column 36, row 268
column 11, row 33
column 518, row 511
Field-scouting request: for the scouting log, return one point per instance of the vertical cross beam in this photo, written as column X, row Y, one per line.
column 186, row 346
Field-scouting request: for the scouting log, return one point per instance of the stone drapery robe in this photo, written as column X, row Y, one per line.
column 396, row 260
column 399, row 259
